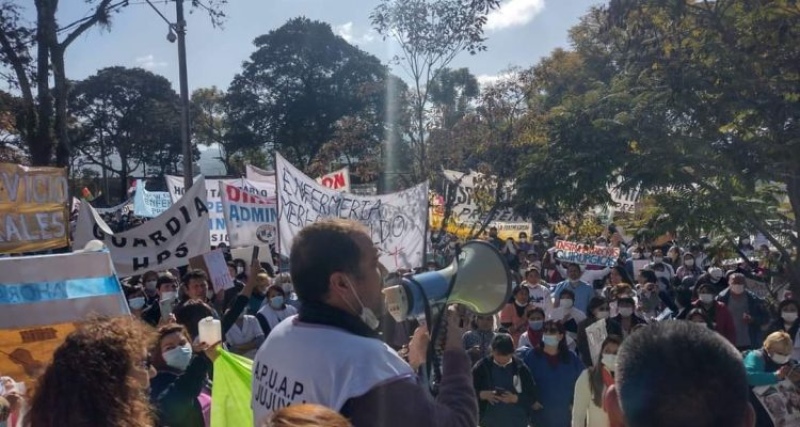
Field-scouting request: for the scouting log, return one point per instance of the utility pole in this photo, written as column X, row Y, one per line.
column 180, row 28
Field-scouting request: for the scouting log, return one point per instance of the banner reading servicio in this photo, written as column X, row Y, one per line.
column 33, row 208
column 396, row 221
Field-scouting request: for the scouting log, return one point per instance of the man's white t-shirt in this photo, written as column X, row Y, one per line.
column 310, row 363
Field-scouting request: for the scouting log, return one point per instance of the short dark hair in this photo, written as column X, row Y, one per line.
column 676, row 364
column 190, row 313
column 321, row 249
column 566, row 292
column 649, row 275
column 195, row 273
column 503, row 344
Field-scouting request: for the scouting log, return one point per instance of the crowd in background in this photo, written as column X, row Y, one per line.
column 533, row 364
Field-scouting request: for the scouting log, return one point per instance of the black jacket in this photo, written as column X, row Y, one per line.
column 174, row 394
column 482, row 380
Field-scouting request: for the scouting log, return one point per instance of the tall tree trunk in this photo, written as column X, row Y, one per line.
column 61, row 88
column 42, row 142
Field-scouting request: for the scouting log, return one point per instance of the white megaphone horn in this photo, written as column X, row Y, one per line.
column 478, row 279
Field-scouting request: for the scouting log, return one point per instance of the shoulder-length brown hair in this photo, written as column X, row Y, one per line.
column 305, row 415
column 90, row 383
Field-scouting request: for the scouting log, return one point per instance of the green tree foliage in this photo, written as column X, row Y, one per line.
column 129, row 114
column 32, row 55
column 298, row 84
column 430, row 33
column 694, row 101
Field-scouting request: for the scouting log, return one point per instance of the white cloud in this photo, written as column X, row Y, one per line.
column 513, row 13
column 149, row 62
column 488, row 79
column 346, row 32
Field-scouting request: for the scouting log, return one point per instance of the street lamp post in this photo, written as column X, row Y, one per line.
column 180, row 28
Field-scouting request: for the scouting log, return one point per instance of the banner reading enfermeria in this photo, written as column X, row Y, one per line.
column 396, row 221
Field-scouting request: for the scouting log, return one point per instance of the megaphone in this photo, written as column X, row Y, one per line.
column 478, row 279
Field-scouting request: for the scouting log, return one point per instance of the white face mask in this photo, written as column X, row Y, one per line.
column 609, row 361
column 780, row 359
column 210, row 294
column 658, row 259
column 789, row 316
column 602, row 314
column 626, row 311
column 706, row 298
column 178, row 357
column 567, row 303
column 366, row 314
column 150, row 285
column 689, row 262
column 168, row 295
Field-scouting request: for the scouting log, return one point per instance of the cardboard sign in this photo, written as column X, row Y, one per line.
column 578, row 253
column 213, row 263
column 34, row 205
column 596, row 333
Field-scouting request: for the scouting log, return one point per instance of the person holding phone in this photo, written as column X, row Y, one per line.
column 504, row 385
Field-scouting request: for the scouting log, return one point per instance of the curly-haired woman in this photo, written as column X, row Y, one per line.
column 98, row 377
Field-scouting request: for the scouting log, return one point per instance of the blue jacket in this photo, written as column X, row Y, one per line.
column 556, row 385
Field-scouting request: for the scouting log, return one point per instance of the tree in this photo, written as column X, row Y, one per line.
column 430, row 33
column 43, row 123
column 701, row 112
column 298, row 84
column 492, row 139
column 454, row 94
column 129, row 114
column 211, row 126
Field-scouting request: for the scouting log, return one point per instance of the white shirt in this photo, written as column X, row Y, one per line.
column 276, row 316
column 588, row 276
column 324, row 365
column 584, row 412
column 249, row 331
column 540, row 296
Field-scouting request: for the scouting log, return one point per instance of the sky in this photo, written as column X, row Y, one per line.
column 520, row 33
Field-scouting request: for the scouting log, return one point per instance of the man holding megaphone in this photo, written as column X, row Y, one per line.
column 331, row 354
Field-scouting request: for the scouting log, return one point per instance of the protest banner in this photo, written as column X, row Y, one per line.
column 213, row 263
column 337, row 180
column 34, row 208
column 466, row 209
column 396, row 221
column 511, row 230
column 781, row 401
column 218, row 233
column 167, row 241
column 123, row 208
column 255, row 174
column 150, row 204
column 250, row 219
column 578, row 253
column 43, row 297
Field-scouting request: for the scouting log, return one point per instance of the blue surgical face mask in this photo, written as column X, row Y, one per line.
column 550, row 340
column 276, row 302
column 136, row 303
column 178, row 357
column 536, row 325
